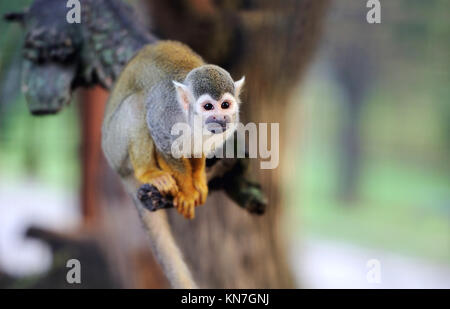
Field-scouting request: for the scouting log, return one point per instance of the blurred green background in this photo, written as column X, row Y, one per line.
column 374, row 157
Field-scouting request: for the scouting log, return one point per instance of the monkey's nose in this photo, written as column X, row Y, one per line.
column 225, row 118
column 215, row 125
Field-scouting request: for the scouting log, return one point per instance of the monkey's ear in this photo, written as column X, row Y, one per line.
column 183, row 94
column 238, row 86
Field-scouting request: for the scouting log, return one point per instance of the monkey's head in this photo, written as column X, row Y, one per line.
column 210, row 94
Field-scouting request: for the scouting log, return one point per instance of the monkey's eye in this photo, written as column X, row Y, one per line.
column 225, row 105
column 208, row 106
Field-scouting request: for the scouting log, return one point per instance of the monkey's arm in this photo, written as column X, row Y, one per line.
column 146, row 171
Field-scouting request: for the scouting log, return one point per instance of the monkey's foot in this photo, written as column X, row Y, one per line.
column 165, row 184
column 185, row 204
column 202, row 189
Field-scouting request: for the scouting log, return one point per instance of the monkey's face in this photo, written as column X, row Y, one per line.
column 211, row 95
column 219, row 115
column 210, row 98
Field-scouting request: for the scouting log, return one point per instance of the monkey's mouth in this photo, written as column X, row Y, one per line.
column 216, row 126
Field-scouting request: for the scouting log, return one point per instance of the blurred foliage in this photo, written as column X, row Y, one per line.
column 403, row 201
column 40, row 147
column 403, row 194
column 11, row 43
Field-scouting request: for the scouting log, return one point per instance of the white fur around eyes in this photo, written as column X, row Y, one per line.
column 204, row 98
column 231, row 99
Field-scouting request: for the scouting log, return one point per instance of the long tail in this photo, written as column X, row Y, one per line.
column 163, row 244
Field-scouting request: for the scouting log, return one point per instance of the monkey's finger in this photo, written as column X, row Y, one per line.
column 180, row 201
column 178, row 206
column 189, row 204
column 162, row 179
column 175, row 202
column 170, row 186
column 191, row 212
column 173, row 189
column 186, row 212
column 174, row 186
column 185, row 208
column 198, row 200
column 166, row 181
column 158, row 185
column 163, row 187
column 202, row 199
column 202, row 194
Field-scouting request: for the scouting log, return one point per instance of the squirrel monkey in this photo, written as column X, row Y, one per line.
column 165, row 84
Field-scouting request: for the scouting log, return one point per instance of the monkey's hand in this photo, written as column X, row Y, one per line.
column 201, row 185
column 185, row 203
column 164, row 182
